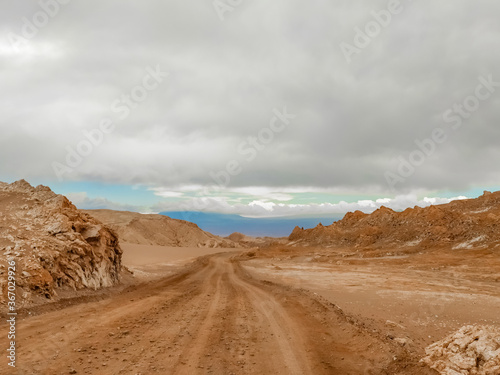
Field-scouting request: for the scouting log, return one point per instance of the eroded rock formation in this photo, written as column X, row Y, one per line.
column 461, row 224
column 53, row 244
column 473, row 350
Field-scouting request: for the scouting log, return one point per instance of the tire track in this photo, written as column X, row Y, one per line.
column 210, row 319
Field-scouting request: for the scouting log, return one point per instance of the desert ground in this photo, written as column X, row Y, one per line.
column 278, row 310
column 421, row 296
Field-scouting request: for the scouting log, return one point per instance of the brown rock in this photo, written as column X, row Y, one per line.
column 461, row 224
column 473, row 350
column 58, row 245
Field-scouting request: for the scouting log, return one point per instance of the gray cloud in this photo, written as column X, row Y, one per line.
column 353, row 120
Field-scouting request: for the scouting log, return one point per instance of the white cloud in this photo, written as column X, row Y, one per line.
column 168, row 194
column 268, row 206
column 258, row 208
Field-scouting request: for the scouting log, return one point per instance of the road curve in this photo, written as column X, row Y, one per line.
column 213, row 318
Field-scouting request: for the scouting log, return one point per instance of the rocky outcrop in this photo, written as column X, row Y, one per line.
column 462, row 224
column 53, row 244
column 473, row 350
column 160, row 230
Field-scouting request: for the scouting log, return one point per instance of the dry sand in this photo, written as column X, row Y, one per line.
column 140, row 255
column 149, row 262
column 424, row 296
column 211, row 318
column 283, row 311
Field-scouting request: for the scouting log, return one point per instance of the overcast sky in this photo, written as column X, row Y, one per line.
column 301, row 105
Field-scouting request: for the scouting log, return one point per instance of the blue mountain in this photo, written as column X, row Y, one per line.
column 225, row 224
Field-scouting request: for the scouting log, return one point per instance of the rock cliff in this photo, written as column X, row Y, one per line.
column 53, row 244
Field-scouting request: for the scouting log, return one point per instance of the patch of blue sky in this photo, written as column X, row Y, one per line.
column 123, row 194
column 473, row 192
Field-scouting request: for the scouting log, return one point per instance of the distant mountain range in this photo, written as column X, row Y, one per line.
column 225, row 224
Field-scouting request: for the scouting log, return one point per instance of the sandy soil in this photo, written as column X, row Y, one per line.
column 421, row 297
column 270, row 311
column 150, row 261
column 210, row 318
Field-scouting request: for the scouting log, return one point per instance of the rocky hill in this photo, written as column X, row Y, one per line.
column 53, row 244
column 151, row 229
column 461, row 224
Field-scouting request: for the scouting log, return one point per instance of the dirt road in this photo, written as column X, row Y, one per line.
column 212, row 318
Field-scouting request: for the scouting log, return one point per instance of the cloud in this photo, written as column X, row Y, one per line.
column 167, row 194
column 259, row 208
column 254, row 206
column 353, row 121
column 83, row 201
